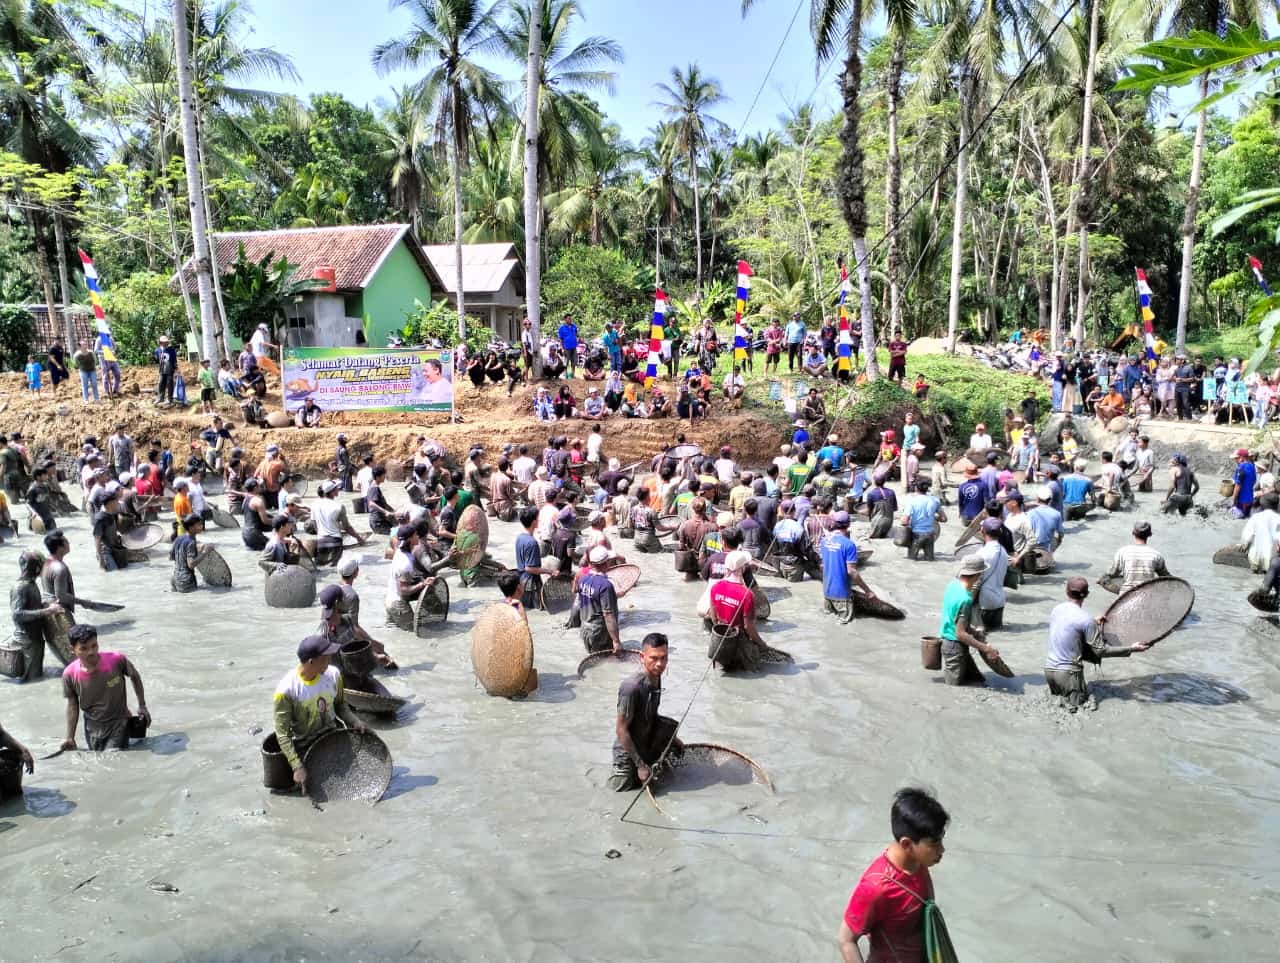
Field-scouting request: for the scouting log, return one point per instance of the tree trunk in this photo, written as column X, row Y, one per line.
column 532, row 185
column 1083, row 202
column 850, row 182
column 1189, row 222
column 193, row 322
column 957, row 224
column 64, row 278
column 697, row 213
column 195, row 182
column 214, row 267
column 45, row 273
column 455, row 171
column 893, row 185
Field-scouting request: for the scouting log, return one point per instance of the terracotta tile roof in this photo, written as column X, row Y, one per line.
column 354, row 251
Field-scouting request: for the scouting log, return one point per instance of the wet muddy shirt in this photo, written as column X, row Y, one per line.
column 887, row 907
column 731, row 603
column 638, row 702
column 305, row 709
column 597, row 598
column 183, row 553
column 956, row 607
column 100, row 694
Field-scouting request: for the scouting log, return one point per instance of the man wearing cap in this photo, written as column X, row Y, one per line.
column 598, row 604
column 259, row 344
column 1138, row 563
column 980, row 440
column 990, row 595
column 922, row 514
column 832, row 452
column 839, row 569
column 1244, row 480
column 108, row 545
column 1074, row 636
column 735, row 643
column 309, row 702
column 167, row 359
column 956, row 631
column 593, row 406
column 971, row 495
column 340, row 615
column 405, row 581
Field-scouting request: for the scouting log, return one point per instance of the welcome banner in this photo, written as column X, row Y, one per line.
column 366, row 379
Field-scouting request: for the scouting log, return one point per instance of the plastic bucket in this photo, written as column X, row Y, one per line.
column 359, row 506
column 931, row 652
column 276, row 771
column 10, row 773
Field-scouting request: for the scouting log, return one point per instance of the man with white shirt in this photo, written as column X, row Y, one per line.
column 1261, row 532
column 364, row 477
column 1144, row 465
column 784, row 460
column 726, row 467
column 595, row 441
column 734, row 386
column 259, row 344
column 524, row 466
column 980, row 440
column 540, row 489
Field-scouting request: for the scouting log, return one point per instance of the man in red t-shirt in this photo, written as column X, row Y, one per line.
column 739, row 647
column 897, row 358
column 888, row 904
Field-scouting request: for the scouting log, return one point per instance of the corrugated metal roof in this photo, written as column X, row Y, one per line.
column 354, row 251
column 485, row 267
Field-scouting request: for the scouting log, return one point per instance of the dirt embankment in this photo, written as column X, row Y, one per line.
column 488, row 417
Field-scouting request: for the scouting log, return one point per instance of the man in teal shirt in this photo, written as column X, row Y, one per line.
column 795, row 332
column 613, row 344
column 957, row 638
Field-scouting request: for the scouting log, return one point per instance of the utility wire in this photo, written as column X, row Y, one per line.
column 778, row 53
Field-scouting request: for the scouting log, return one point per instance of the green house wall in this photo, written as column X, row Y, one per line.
column 390, row 295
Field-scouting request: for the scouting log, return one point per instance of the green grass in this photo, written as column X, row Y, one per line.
column 1229, row 342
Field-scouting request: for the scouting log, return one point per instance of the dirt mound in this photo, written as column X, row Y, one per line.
column 487, row 416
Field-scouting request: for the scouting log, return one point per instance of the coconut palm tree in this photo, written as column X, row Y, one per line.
column 717, row 179
column 690, row 96
column 593, row 206
column 404, row 132
column 446, row 38
column 901, row 18
column 1184, row 16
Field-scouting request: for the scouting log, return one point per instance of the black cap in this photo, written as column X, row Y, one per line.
column 330, row 600
column 405, row 532
column 314, row 646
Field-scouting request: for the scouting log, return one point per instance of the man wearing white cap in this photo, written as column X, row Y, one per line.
column 259, row 344
column 595, row 536
column 598, row 604
column 593, row 406
column 167, row 358
column 736, row 645
column 1046, row 521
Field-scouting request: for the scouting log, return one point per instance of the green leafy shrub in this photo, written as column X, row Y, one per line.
column 597, row 285
column 140, row 309
column 968, row 392
column 439, row 322
column 17, row 331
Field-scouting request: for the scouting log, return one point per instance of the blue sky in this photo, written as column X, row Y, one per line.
column 330, row 42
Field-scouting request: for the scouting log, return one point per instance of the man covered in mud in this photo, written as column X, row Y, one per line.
column 107, row 543
column 640, row 733
column 598, row 604
column 31, row 615
column 839, row 569
column 1075, row 637
column 94, row 685
column 309, row 701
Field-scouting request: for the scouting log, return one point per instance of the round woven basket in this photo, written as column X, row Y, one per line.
column 223, row 519
column 1150, row 611
column 1237, row 556
column 290, row 587
column 379, row 702
column 432, row 608
column 624, row 578
column 501, row 651
column 347, row 765
column 142, row 537
column 629, row 657
column 1264, row 601
column 473, row 519
column 59, row 625
column 214, row 569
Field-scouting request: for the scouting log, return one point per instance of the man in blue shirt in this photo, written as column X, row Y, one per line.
column 990, row 475
column 921, row 513
column 971, row 496
column 569, row 341
column 795, row 332
column 1055, row 488
column 1077, row 488
column 529, row 557
column 1046, row 524
column 839, row 569
column 832, row 453
column 1246, row 478
column 613, row 344
column 801, row 435
column 598, row 603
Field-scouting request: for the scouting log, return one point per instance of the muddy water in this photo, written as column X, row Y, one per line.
column 1142, row 831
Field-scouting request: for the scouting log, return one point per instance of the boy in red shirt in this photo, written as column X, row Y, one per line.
column 888, row 904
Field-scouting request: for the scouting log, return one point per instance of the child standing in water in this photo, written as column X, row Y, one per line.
column 889, row 904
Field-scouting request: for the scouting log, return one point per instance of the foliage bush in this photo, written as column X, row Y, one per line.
column 968, row 392
column 596, row 285
column 439, row 323
column 17, row 331
column 140, row 309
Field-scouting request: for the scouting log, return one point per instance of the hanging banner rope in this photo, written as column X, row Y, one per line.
column 657, row 334
column 740, row 308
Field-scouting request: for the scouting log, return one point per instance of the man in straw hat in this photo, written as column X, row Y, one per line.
column 641, row 734
column 309, row 701
column 956, row 631
column 840, row 569
column 1074, row 636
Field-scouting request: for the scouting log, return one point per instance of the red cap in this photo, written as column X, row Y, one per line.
column 1242, row 452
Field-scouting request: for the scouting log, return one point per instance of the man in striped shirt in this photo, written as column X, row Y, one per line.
column 1137, row 563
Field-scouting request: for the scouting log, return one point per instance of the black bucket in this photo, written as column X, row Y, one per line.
column 359, row 506
column 358, row 660
column 276, row 771
column 10, row 773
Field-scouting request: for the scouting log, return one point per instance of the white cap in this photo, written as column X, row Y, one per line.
column 126, row 477
column 179, row 483
column 736, row 561
column 724, row 519
column 598, row 554
column 1044, row 493
column 614, row 464
column 541, row 471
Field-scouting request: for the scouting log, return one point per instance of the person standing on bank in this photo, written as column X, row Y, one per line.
column 31, row 626
column 641, row 735
column 309, row 702
column 1074, row 636
column 94, row 685
column 166, row 356
column 887, row 906
column 86, row 363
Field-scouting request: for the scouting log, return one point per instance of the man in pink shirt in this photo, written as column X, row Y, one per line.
column 888, row 904
column 94, row 684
